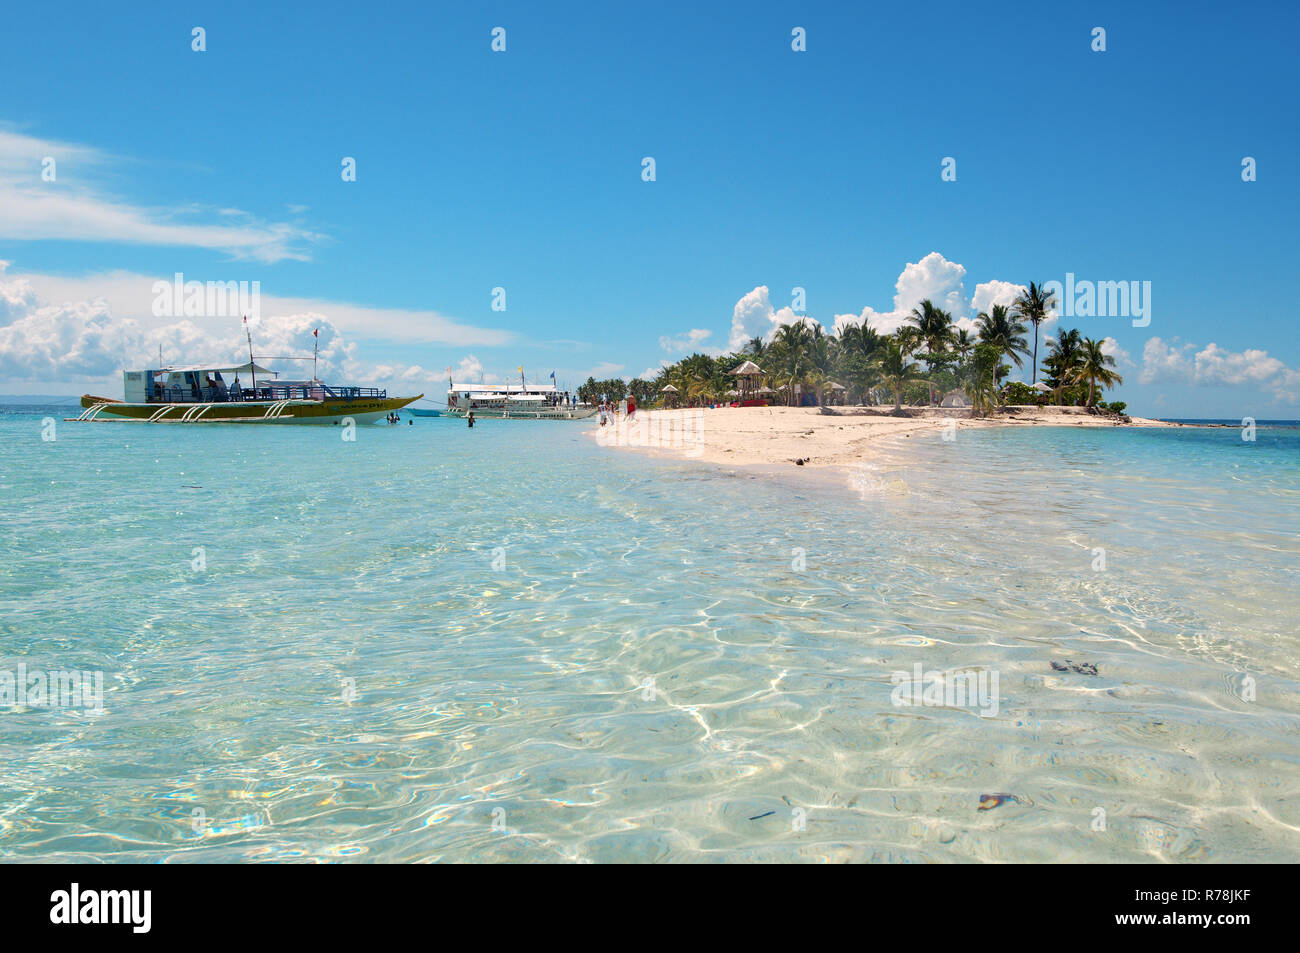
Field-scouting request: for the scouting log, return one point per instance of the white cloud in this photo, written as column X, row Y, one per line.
column 469, row 370
column 941, row 281
column 1213, row 366
column 935, row 278
column 682, row 343
column 750, row 318
column 1162, row 362
column 1111, row 347
column 75, row 207
column 989, row 293
column 130, row 295
column 85, row 344
column 754, row 317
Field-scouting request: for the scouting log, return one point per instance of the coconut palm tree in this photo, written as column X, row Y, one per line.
column 896, row 371
column 1063, row 361
column 794, row 348
column 1000, row 327
column 1096, row 367
column 982, row 385
column 1034, row 304
column 963, row 344
column 908, row 338
column 855, row 358
column 934, row 327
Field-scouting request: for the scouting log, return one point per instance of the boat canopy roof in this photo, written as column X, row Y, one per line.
column 477, row 389
column 246, row 368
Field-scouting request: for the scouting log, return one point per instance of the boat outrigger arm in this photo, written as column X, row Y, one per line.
column 202, row 394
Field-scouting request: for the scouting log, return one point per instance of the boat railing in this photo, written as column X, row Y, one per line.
column 273, row 391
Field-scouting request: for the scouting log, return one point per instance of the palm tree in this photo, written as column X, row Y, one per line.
column 963, row 344
column 1095, row 367
column 1033, row 305
column 795, row 346
column 693, row 377
column 896, row 371
column 934, row 328
column 908, row 338
column 999, row 327
column 983, row 378
column 855, row 356
column 1063, row 361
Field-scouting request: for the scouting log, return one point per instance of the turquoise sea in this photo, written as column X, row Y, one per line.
column 509, row 643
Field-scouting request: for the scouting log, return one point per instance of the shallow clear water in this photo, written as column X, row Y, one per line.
column 510, row 643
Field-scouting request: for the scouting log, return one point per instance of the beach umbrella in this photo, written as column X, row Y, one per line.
column 1040, row 387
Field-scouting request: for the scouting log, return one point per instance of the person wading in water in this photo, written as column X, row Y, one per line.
column 470, row 418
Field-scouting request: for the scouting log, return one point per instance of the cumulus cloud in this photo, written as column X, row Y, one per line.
column 1111, row 347
column 682, row 343
column 75, row 207
column 936, row 278
column 751, row 317
column 941, row 281
column 131, row 295
column 754, row 316
column 989, row 293
column 1214, row 366
column 86, row 343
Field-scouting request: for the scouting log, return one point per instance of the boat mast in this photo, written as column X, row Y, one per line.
column 252, row 365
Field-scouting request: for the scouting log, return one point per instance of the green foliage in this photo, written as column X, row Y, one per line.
column 982, row 378
column 875, row 368
column 614, row 388
column 1018, row 392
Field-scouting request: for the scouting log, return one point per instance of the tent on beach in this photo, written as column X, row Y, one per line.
column 955, row 398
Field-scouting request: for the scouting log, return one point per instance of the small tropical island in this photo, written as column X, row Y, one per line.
column 822, row 396
column 927, row 362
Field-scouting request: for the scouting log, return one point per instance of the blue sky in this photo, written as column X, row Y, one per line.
column 522, row 170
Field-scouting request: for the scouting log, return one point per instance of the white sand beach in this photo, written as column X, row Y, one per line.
column 767, row 436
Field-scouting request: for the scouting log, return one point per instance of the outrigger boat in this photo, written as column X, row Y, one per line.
column 515, row 402
column 201, row 394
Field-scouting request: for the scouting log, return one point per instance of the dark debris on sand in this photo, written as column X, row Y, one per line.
column 1079, row 668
